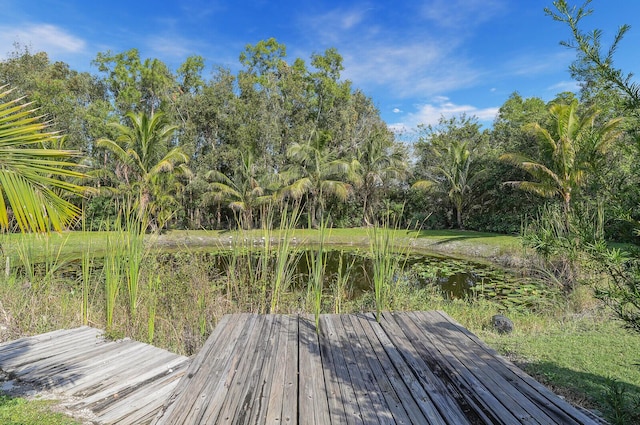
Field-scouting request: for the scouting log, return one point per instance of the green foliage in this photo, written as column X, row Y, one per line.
column 621, row 289
column 245, row 191
column 593, row 62
column 570, row 149
column 386, row 263
column 147, row 163
column 318, row 174
column 447, row 153
column 576, row 357
column 34, row 172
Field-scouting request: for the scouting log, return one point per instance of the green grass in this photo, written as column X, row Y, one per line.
column 579, row 358
column 19, row 411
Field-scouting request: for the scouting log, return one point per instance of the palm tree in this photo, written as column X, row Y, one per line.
column 453, row 174
column 244, row 191
column 145, row 158
column 570, row 149
column 31, row 174
column 317, row 173
column 379, row 161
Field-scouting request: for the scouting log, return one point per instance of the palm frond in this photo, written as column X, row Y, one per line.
column 28, row 174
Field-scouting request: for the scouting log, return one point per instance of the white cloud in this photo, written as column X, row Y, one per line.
column 562, row 86
column 430, row 114
column 40, row 37
column 332, row 26
column 538, row 64
column 170, row 46
column 419, row 68
column 408, row 60
column 461, row 13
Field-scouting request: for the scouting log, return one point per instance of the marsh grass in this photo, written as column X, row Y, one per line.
column 40, row 257
column 387, row 263
column 286, row 258
column 135, row 252
column 87, row 263
column 113, row 270
column 341, row 283
column 317, row 259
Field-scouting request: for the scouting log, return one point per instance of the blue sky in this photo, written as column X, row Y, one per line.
column 417, row 60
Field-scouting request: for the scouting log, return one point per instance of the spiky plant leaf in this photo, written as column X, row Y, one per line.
column 31, row 174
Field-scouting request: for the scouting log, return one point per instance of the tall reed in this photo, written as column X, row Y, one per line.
column 152, row 307
column 286, row 257
column 40, row 258
column 385, row 262
column 317, row 259
column 345, row 267
column 113, row 269
column 136, row 227
column 87, row 265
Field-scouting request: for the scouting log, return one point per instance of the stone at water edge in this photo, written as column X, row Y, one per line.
column 502, row 324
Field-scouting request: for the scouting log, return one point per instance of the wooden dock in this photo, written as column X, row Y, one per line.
column 410, row 368
column 120, row 382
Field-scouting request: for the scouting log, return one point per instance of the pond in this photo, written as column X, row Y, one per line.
column 454, row 278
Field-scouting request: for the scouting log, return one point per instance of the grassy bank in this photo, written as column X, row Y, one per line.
column 501, row 249
column 569, row 342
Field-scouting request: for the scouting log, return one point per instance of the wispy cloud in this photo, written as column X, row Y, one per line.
column 336, row 25
column 171, row 47
column 40, row 37
column 535, row 64
column 417, row 69
column 562, row 86
column 408, row 59
column 461, row 13
column 438, row 107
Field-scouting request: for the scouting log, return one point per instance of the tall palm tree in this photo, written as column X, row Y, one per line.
column 379, row 162
column 245, row 190
column 452, row 174
column 32, row 175
column 143, row 150
column 317, row 173
column 570, row 148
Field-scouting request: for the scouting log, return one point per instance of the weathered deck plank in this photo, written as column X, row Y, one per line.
column 409, row 368
column 312, row 399
column 555, row 407
column 122, row 382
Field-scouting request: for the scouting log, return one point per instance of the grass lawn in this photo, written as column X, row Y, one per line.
column 592, row 362
column 466, row 244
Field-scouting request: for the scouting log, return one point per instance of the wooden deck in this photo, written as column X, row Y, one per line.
column 120, row 382
column 411, row 368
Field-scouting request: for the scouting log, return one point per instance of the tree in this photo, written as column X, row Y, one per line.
column 379, row 161
column 143, row 151
column 74, row 101
column 448, row 153
column 592, row 63
column 317, row 173
column 570, row 149
column 32, row 174
column 244, row 191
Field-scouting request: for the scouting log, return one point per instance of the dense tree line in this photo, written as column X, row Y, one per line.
column 194, row 149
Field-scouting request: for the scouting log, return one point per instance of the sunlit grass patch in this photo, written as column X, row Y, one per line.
column 19, row 411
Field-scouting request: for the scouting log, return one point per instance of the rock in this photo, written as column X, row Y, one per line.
column 502, row 324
